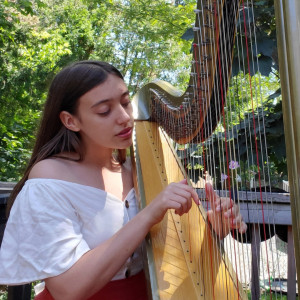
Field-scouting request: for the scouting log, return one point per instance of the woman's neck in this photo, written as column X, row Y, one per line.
column 104, row 160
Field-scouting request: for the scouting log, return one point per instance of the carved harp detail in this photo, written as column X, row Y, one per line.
column 185, row 258
column 205, row 96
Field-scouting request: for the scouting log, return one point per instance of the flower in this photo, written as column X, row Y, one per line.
column 223, row 177
column 238, row 178
column 234, row 165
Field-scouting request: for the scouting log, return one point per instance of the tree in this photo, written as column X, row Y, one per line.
column 141, row 38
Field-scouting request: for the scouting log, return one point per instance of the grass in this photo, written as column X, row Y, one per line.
column 267, row 296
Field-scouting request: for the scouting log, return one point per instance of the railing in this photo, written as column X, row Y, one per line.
column 282, row 215
column 277, row 211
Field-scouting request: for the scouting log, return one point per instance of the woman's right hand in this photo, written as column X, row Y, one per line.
column 177, row 196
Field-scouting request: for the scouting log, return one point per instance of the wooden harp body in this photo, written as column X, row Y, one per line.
column 182, row 264
column 185, row 258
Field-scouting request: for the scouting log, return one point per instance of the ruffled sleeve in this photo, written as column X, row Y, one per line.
column 42, row 237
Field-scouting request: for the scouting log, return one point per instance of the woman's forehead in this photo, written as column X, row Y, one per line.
column 112, row 88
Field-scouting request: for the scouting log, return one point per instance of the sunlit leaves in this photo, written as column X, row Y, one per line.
column 37, row 38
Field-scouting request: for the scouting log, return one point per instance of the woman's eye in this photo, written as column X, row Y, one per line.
column 104, row 113
column 126, row 104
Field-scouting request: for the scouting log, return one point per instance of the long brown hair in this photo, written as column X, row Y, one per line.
column 53, row 137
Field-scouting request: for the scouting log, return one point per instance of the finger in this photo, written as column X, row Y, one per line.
column 181, row 210
column 178, row 212
column 227, row 204
column 183, row 181
column 184, row 204
column 211, row 195
column 239, row 224
column 184, row 191
column 185, row 201
column 192, row 193
column 222, row 204
column 243, row 228
column 230, row 210
column 236, row 223
column 210, row 215
column 177, row 207
column 182, row 198
column 195, row 197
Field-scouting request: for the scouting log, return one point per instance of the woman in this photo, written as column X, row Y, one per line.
column 69, row 224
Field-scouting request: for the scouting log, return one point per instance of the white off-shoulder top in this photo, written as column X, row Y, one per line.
column 54, row 222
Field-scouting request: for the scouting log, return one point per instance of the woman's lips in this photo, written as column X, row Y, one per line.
column 126, row 133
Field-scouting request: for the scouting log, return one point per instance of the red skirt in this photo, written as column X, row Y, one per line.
column 132, row 288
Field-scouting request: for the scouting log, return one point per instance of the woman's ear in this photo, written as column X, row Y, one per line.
column 71, row 122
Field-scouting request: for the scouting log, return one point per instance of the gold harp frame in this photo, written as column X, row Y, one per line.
column 175, row 273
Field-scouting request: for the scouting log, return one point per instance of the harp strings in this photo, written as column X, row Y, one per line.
column 216, row 156
column 230, row 176
column 223, row 72
column 209, row 51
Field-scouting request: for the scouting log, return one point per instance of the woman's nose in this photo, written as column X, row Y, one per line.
column 124, row 115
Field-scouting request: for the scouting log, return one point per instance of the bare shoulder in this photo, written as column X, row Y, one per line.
column 55, row 168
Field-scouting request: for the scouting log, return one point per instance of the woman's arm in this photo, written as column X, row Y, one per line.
column 96, row 268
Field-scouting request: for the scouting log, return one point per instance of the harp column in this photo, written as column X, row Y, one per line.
column 288, row 36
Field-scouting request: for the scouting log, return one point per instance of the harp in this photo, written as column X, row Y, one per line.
column 185, row 258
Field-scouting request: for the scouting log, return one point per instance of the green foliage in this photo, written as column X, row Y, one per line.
column 37, row 38
column 3, row 296
column 3, row 292
column 257, row 21
column 241, row 141
column 141, row 38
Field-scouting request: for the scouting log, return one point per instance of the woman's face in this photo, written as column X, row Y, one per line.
column 104, row 115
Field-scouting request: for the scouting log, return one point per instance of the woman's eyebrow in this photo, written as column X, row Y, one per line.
column 125, row 93
column 109, row 99
column 100, row 102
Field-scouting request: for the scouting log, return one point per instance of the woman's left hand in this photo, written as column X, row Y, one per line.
column 224, row 214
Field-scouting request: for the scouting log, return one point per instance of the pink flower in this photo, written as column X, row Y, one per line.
column 234, row 165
